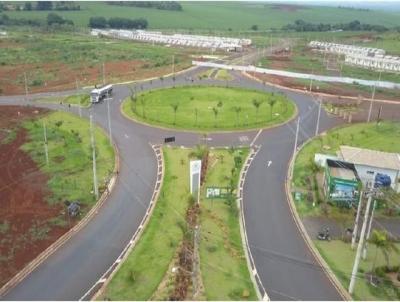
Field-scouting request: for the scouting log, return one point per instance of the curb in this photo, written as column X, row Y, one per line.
column 318, row 93
column 317, row 256
column 31, row 266
column 255, row 278
column 98, row 288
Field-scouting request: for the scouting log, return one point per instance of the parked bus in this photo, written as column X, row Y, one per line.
column 98, row 94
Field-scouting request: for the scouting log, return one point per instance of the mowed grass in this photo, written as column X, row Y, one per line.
column 70, row 157
column 382, row 137
column 221, row 15
column 82, row 100
column 340, row 258
column 209, row 108
column 145, row 267
column 223, row 264
column 223, row 75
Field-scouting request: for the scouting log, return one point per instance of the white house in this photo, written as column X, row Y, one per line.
column 368, row 163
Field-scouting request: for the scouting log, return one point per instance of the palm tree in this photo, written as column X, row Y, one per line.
column 175, row 107
column 257, row 104
column 196, row 112
column 133, row 98
column 237, row 109
column 215, row 110
column 382, row 242
column 143, row 102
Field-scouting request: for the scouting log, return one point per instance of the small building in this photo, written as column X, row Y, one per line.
column 341, row 183
column 372, row 165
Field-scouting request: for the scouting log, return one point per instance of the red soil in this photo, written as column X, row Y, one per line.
column 24, row 213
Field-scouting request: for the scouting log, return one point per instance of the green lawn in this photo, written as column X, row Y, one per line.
column 82, row 100
column 196, row 105
column 223, row 75
column 340, row 258
column 223, row 264
column 384, row 137
column 145, row 267
column 70, row 156
column 222, row 15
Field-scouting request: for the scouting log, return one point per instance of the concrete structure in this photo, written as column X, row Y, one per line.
column 384, row 63
column 345, row 49
column 228, row 44
column 368, row 163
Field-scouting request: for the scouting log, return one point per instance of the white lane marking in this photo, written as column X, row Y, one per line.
column 243, row 138
column 126, row 135
column 269, row 163
column 255, row 138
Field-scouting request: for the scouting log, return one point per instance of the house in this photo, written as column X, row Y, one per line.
column 373, row 165
column 341, row 183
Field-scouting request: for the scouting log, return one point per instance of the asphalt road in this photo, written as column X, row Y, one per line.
column 286, row 267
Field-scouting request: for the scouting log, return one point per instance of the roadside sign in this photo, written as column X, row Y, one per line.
column 217, row 192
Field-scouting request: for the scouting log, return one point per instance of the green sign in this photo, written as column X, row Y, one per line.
column 217, row 192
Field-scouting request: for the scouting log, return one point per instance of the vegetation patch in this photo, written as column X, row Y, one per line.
column 209, row 108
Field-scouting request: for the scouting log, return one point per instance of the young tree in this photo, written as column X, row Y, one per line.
column 196, row 112
column 257, row 104
column 237, row 110
column 133, row 99
column 271, row 103
column 175, row 107
column 382, row 242
column 215, row 111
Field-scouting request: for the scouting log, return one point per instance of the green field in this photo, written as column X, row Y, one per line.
column 340, row 258
column 222, row 16
column 209, row 108
column 70, row 157
column 384, row 137
column 222, row 261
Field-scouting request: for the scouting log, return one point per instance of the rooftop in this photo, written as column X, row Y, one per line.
column 371, row 158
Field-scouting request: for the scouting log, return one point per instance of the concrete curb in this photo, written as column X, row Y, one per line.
column 98, row 288
column 288, row 183
column 31, row 266
column 318, row 93
column 255, row 278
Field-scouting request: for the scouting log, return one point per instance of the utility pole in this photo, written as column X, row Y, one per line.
column 297, row 135
column 318, row 117
column 364, row 255
column 46, row 148
column 373, row 98
column 173, row 65
column 95, row 186
column 104, row 74
column 312, row 73
column 76, row 85
column 354, row 235
column 109, row 119
column 359, row 248
column 26, row 86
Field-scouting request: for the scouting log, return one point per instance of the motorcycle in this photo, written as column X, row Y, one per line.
column 324, row 235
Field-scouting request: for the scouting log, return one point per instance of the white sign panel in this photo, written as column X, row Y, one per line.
column 195, row 171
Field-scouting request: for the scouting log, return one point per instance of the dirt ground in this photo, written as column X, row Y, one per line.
column 25, row 230
column 58, row 76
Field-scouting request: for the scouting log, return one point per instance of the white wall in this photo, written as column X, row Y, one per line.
column 365, row 177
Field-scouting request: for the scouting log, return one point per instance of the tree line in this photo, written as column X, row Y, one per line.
column 163, row 5
column 117, row 22
column 301, row 25
column 52, row 19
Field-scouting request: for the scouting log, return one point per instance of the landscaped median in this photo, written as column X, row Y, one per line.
column 209, row 108
column 168, row 262
column 316, row 212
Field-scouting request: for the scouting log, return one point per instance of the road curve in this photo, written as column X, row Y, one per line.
column 285, row 264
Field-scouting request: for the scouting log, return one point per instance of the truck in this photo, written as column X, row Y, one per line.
column 99, row 93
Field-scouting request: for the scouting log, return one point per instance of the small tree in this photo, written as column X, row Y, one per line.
column 254, row 27
column 271, row 103
column 237, row 110
column 175, row 107
column 257, row 104
column 215, row 111
column 133, row 99
column 196, row 112
column 382, row 242
column 143, row 102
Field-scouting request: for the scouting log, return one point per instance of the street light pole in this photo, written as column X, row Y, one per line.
column 318, row 117
column 373, row 98
column 354, row 235
column 26, row 86
column 109, row 119
column 297, row 135
column 364, row 255
column 46, row 150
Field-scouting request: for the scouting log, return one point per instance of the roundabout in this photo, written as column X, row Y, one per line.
column 286, row 267
column 209, row 109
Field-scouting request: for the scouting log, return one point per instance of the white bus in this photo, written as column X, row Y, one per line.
column 97, row 94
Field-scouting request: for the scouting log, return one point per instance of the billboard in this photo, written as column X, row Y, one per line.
column 195, row 171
